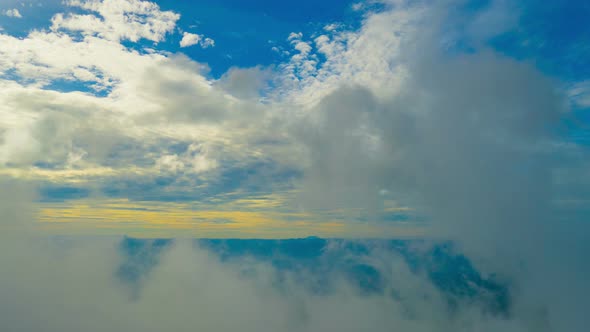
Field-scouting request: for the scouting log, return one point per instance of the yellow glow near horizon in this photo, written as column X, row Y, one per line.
column 244, row 218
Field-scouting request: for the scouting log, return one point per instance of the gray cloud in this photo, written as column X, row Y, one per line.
column 471, row 140
column 245, row 83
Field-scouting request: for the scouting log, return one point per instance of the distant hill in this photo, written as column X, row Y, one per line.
column 317, row 263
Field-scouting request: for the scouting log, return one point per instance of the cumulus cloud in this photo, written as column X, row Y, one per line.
column 189, row 39
column 116, row 105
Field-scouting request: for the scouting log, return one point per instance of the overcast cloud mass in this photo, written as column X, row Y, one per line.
column 441, row 148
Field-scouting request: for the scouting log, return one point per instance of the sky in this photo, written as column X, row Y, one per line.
column 224, row 119
column 220, row 119
column 433, row 156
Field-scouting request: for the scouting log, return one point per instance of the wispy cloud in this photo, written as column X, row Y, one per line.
column 12, row 13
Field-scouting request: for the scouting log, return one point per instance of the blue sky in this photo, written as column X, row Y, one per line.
column 245, row 32
column 551, row 34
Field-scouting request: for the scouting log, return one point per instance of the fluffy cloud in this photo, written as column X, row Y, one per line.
column 45, row 57
column 369, row 57
column 190, row 39
column 119, row 20
column 116, row 104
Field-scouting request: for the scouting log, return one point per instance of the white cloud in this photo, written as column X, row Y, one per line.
column 295, row 35
column 46, row 56
column 369, row 57
column 12, row 13
column 190, row 39
column 357, row 6
column 332, row 27
column 119, row 20
column 207, row 42
column 196, row 159
column 119, row 103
